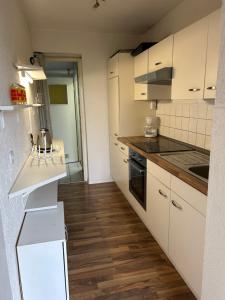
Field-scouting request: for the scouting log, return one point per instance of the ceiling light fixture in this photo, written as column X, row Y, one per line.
column 97, row 3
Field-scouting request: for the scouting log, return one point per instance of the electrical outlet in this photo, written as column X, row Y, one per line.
column 11, row 157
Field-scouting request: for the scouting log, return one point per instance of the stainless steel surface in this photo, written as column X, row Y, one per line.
column 186, row 160
column 44, row 140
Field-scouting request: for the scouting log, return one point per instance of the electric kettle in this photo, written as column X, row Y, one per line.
column 44, row 140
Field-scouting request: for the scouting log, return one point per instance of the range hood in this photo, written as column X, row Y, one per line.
column 158, row 77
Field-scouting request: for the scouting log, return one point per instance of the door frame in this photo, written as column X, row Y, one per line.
column 76, row 59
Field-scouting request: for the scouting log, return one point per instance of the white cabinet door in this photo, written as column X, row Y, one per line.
column 212, row 54
column 161, row 55
column 189, row 59
column 114, row 149
column 186, row 241
column 141, row 64
column 123, row 171
column 114, row 110
column 113, row 66
column 158, row 201
column 140, row 91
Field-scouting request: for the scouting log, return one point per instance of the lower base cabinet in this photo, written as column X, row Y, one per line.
column 42, row 256
column 186, row 241
column 158, row 211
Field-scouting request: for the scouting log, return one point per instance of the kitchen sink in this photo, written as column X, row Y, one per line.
column 202, row 171
column 193, row 162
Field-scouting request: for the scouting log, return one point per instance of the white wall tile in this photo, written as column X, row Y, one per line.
column 172, row 109
column 172, row 133
column 179, row 110
column 200, row 140
column 202, row 111
column 207, row 142
column 201, row 126
column 178, row 134
column 208, row 127
column 193, row 125
column 185, row 123
column 167, row 121
column 173, row 121
column 178, row 122
column 184, row 136
column 192, row 138
column 186, row 110
column 193, row 110
column 210, row 112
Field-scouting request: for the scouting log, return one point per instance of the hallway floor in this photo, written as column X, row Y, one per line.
column 111, row 254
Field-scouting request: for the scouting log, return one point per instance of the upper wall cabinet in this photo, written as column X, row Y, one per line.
column 212, row 54
column 189, row 58
column 113, row 66
column 141, row 68
column 161, row 55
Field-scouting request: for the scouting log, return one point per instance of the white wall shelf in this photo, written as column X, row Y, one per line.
column 43, row 198
column 13, row 107
column 39, row 172
column 35, row 72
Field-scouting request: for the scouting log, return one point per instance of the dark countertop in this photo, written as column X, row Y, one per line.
column 193, row 181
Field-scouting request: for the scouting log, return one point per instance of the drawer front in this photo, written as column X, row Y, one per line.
column 196, row 199
column 161, row 174
column 123, row 148
column 140, row 91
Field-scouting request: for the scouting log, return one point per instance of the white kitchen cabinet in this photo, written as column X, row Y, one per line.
column 123, row 173
column 42, row 255
column 114, row 149
column 161, row 55
column 140, row 91
column 158, row 202
column 113, row 66
column 186, row 242
column 126, row 116
column 189, row 59
column 114, row 106
column 212, row 54
column 141, row 64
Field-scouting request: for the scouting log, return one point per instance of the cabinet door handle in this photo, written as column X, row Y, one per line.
column 125, row 161
column 158, row 63
column 111, row 72
column 175, row 204
column 115, row 144
column 143, row 94
column 211, row 88
column 162, row 194
column 115, row 134
column 194, row 90
column 122, row 148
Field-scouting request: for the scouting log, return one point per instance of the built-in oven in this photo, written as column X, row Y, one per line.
column 137, row 177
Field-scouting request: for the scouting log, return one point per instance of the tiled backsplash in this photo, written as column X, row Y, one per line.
column 187, row 122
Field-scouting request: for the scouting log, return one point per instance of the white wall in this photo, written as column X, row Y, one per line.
column 63, row 119
column 214, row 260
column 15, row 46
column 95, row 50
column 186, row 13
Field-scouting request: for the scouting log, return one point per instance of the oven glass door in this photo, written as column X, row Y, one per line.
column 137, row 182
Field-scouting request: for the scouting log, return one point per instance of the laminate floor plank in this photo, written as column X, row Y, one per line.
column 111, row 254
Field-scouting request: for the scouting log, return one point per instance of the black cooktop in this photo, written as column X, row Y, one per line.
column 161, row 145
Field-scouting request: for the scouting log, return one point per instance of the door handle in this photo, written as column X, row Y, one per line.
column 178, row 206
column 211, row 88
column 143, row 94
column 115, row 134
column 162, row 194
column 158, row 63
column 194, row 90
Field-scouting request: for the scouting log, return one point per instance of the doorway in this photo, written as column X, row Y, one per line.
column 67, row 113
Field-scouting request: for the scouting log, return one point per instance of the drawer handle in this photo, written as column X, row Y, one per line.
column 175, row 204
column 158, row 63
column 143, row 94
column 115, row 144
column 211, row 88
column 111, row 72
column 162, row 194
column 125, row 161
column 194, row 90
column 122, row 148
column 115, row 134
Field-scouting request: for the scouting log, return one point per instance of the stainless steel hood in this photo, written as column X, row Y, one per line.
column 158, row 77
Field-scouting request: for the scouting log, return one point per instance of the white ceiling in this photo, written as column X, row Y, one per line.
column 121, row 16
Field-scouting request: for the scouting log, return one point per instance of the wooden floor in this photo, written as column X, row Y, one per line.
column 111, row 254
